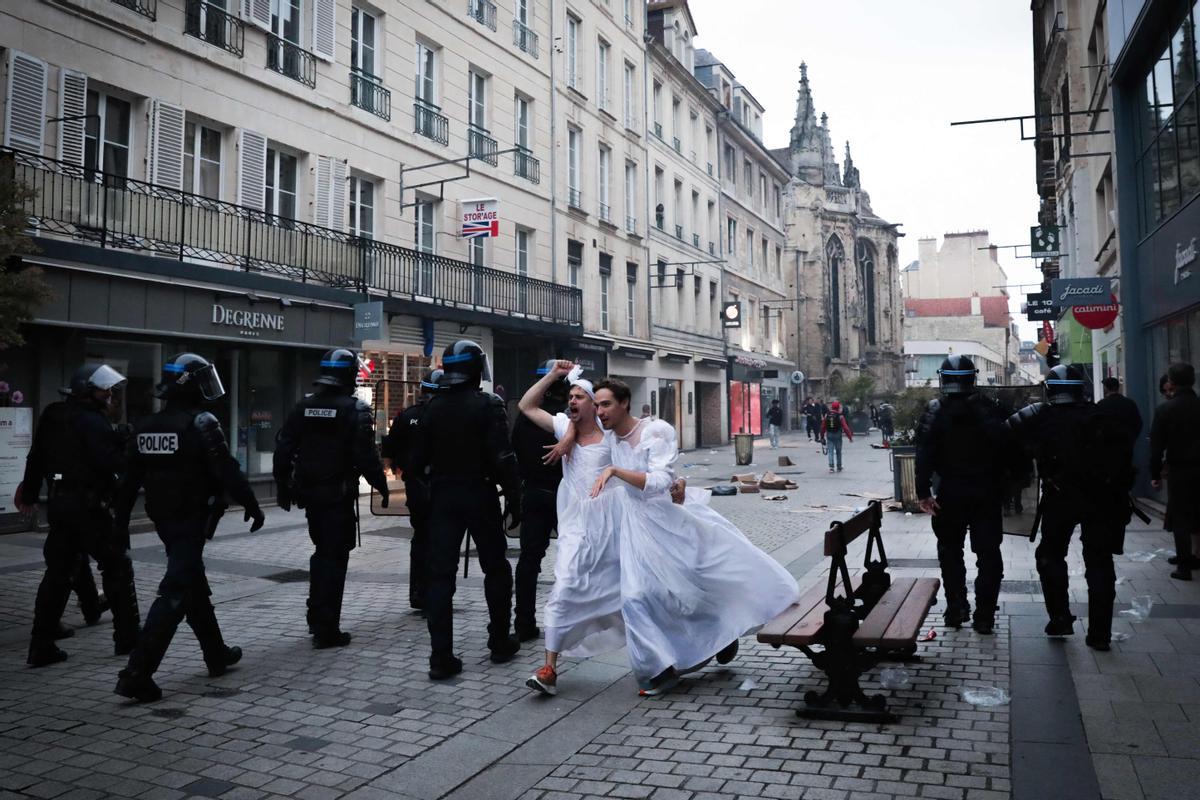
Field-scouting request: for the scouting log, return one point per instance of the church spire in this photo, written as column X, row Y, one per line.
column 850, row 172
column 805, row 145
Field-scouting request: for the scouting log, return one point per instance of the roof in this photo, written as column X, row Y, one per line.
column 994, row 308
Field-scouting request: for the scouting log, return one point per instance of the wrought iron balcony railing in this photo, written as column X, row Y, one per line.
column 524, row 38
column 367, row 92
column 483, row 12
column 679, row 232
column 696, row 240
column 658, row 129
column 291, row 60
column 147, row 8
column 606, row 213
column 675, row 143
column 526, row 166
column 216, row 26
column 631, row 225
column 575, row 198
column 482, row 146
column 113, row 212
column 429, row 123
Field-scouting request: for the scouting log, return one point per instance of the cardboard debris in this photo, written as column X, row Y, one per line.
column 748, row 477
column 748, row 488
column 784, row 461
column 772, row 481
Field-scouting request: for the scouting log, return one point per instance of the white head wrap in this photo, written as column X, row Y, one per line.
column 574, row 378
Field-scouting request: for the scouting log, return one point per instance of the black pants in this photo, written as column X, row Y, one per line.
column 331, row 528
column 84, row 586
column 460, row 507
column 183, row 594
column 1097, row 532
column 539, row 516
column 78, row 531
column 983, row 518
column 417, row 493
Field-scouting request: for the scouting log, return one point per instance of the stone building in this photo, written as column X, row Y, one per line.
column 844, row 263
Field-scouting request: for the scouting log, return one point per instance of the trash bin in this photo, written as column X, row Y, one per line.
column 904, row 475
column 743, row 448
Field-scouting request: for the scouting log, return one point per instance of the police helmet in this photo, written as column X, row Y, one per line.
column 190, row 376
column 464, row 362
column 430, row 383
column 91, row 377
column 339, row 367
column 1065, row 385
column 957, row 375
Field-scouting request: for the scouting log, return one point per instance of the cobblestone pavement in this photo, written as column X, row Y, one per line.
column 365, row 722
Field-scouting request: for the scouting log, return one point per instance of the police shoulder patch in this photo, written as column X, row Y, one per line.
column 321, row 413
column 157, row 444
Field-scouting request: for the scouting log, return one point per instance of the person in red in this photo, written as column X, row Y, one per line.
column 833, row 425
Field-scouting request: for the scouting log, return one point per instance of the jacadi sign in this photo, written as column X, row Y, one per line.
column 1066, row 292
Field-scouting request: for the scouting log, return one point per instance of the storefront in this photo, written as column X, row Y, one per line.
column 755, row 380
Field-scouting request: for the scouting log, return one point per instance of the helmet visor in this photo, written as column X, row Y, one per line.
column 485, row 368
column 208, row 383
column 105, row 378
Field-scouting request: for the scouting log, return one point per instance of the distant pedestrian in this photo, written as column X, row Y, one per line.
column 1175, row 442
column 833, row 427
column 1121, row 409
column 887, row 424
column 774, row 422
column 646, row 413
column 812, row 419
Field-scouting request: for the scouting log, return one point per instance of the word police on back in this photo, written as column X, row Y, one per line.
column 153, row 444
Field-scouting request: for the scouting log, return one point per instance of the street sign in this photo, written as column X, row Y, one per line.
column 1097, row 317
column 480, row 218
column 1039, row 307
column 731, row 314
column 1043, row 241
column 369, row 321
column 1079, row 291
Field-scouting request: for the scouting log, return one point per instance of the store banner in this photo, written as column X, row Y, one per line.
column 1039, row 307
column 480, row 218
column 1080, row 291
column 16, row 437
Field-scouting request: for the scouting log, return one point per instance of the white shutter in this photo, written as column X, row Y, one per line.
column 166, row 144
column 258, row 12
column 72, row 102
column 25, row 113
column 322, row 191
column 324, row 33
column 337, row 195
column 252, row 169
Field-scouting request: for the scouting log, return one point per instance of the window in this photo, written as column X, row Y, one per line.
column 750, row 247
column 362, row 43
column 657, row 97
column 523, row 12
column 765, row 263
column 676, row 131
column 731, row 166
column 106, row 134
column 766, row 327
column 524, row 247
column 426, row 75
column 285, row 20
column 605, row 179
column 477, row 100
column 605, row 279
column 602, row 75
column 866, row 282
column 631, row 271
column 284, row 54
column 778, row 203
column 778, row 262
column 281, row 184
column 660, row 210
column 575, row 194
column 426, row 240
column 574, row 262
column 731, row 238
column 362, row 207
column 477, row 250
column 522, row 123
column 762, row 189
column 629, row 13
column 630, row 83
column 202, row 161
column 835, row 255
column 748, row 173
column 573, row 76
column 630, row 197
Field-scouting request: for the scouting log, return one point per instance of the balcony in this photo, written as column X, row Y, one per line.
column 631, row 226
column 675, row 143
column 482, row 146
column 710, row 169
column 679, row 232
column 628, row 21
column 215, row 26
column 367, row 92
column 483, row 12
column 524, row 38
column 696, row 240
column 291, row 60
column 606, row 213
column 147, row 8
column 429, row 123
column 575, row 199
column 526, row 166
column 658, row 129
column 116, row 213
column 712, row 248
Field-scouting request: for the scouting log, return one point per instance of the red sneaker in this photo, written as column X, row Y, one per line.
column 545, row 680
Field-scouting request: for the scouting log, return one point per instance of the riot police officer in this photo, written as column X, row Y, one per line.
column 180, row 456
column 77, row 452
column 463, row 445
column 397, row 451
column 961, row 438
column 539, row 502
column 327, row 441
column 1085, row 463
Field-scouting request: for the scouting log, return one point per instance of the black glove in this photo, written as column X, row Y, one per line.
column 383, row 497
column 258, row 517
column 284, row 499
column 512, row 512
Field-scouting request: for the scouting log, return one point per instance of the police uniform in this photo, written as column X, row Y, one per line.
column 961, row 438
column 463, row 446
column 398, row 448
column 1085, row 463
column 79, row 455
column 180, row 456
column 327, row 441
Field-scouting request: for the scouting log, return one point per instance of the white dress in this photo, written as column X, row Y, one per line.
column 582, row 616
column 691, row 582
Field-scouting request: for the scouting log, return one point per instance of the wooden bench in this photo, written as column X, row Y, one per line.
column 872, row 619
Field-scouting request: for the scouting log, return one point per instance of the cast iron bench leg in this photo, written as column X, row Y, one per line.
column 843, row 665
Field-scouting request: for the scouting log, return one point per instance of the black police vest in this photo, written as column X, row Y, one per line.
column 177, row 480
column 325, row 458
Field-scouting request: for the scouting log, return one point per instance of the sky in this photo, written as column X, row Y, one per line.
column 892, row 76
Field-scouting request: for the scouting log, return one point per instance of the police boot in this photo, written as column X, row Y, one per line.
column 1183, row 552
column 122, row 596
column 1100, row 613
column 137, row 686
column 217, row 656
column 415, row 599
column 444, row 667
column 503, row 649
column 93, row 613
column 984, row 622
column 43, row 654
column 62, row 632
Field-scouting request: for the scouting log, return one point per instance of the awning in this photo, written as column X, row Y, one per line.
column 712, row 363
column 676, row 358
column 630, row 351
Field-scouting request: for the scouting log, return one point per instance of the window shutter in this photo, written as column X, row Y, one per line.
column 258, row 12
column 166, row 144
column 337, row 194
column 322, row 191
column 252, row 169
column 72, row 102
column 25, row 114
column 324, row 34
